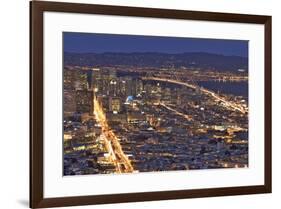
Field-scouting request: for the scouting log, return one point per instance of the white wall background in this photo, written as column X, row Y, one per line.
column 14, row 105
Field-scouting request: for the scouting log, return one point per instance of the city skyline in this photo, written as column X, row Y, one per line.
column 150, row 112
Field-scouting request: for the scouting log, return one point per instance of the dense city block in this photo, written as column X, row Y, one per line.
column 129, row 118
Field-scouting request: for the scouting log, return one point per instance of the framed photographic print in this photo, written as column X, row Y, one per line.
column 139, row 104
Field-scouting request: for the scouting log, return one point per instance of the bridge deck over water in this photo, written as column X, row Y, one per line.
column 230, row 104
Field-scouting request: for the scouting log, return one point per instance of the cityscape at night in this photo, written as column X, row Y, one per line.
column 146, row 103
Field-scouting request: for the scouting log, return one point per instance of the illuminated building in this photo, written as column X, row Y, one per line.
column 69, row 102
column 96, row 79
column 84, row 101
column 111, row 74
column 69, row 78
column 128, row 86
column 139, row 87
column 135, row 117
column 81, row 82
column 121, row 118
column 114, row 104
column 113, row 87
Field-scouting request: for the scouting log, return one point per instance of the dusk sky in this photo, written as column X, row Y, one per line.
column 99, row 43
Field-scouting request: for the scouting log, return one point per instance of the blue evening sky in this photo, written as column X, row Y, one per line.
column 99, row 43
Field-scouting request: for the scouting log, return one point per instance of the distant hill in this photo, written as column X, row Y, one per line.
column 155, row 59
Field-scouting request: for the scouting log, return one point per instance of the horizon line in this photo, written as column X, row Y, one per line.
column 151, row 52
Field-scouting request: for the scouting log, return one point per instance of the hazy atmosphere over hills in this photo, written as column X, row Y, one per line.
column 154, row 59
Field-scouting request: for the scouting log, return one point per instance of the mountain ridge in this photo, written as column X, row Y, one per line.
column 202, row 60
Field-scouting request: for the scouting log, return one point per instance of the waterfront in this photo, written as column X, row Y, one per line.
column 239, row 88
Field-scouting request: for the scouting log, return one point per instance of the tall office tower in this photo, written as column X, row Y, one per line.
column 106, row 78
column 69, row 102
column 139, row 86
column 96, row 80
column 113, row 84
column 70, row 76
column 90, row 79
column 134, row 87
column 128, row 86
column 84, row 100
column 81, row 82
column 112, row 74
column 114, row 104
column 92, row 97
column 148, row 89
column 122, row 87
